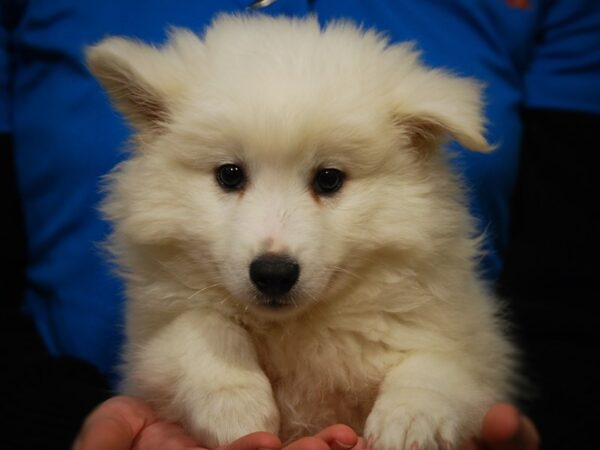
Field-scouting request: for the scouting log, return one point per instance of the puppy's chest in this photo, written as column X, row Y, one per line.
column 322, row 377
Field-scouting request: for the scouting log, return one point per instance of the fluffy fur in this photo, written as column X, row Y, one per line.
column 388, row 328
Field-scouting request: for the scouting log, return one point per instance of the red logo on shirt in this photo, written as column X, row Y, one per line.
column 519, row 4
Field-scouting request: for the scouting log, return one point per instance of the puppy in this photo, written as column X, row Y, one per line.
column 296, row 250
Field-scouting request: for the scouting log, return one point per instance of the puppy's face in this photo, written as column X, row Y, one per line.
column 280, row 162
column 283, row 198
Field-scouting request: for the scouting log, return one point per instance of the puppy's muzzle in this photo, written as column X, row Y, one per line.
column 274, row 275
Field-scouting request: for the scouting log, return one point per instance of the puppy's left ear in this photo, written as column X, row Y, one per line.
column 432, row 105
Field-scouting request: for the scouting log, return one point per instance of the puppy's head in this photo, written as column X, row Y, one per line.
column 277, row 163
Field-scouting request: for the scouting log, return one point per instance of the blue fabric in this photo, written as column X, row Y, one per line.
column 565, row 67
column 67, row 135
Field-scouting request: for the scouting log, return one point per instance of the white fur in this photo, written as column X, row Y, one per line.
column 391, row 331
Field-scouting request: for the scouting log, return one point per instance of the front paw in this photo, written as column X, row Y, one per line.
column 222, row 417
column 415, row 419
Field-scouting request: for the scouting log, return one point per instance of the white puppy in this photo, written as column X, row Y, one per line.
column 296, row 250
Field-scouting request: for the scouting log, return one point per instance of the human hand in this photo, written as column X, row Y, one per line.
column 128, row 423
column 504, row 428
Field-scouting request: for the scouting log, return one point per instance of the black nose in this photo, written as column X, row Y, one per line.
column 274, row 275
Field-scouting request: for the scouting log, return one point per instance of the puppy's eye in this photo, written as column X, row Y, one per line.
column 231, row 177
column 328, row 181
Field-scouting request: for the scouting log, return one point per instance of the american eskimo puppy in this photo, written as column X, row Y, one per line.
column 296, row 250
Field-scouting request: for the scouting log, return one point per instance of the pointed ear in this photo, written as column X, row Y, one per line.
column 143, row 81
column 432, row 105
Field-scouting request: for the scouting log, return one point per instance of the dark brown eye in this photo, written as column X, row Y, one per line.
column 231, row 177
column 328, row 181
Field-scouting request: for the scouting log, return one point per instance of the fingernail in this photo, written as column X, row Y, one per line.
column 345, row 446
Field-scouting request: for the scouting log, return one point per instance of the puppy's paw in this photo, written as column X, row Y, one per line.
column 414, row 420
column 221, row 418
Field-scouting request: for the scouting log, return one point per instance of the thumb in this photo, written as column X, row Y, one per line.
column 114, row 425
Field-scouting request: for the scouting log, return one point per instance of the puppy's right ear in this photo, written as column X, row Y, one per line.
column 143, row 81
column 130, row 73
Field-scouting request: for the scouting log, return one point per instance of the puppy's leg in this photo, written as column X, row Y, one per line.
column 201, row 370
column 429, row 401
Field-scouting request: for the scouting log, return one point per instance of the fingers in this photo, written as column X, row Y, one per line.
column 127, row 423
column 338, row 437
column 104, row 434
column 114, row 425
column 335, row 437
column 505, row 429
column 500, row 424
column 255, row 441
column 527, row 437
column 163, row 436
column 308, row 443
column 361, row 444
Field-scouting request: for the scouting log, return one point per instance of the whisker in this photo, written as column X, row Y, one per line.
column 199, row 291
column 225, row 300
column 346, row 271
